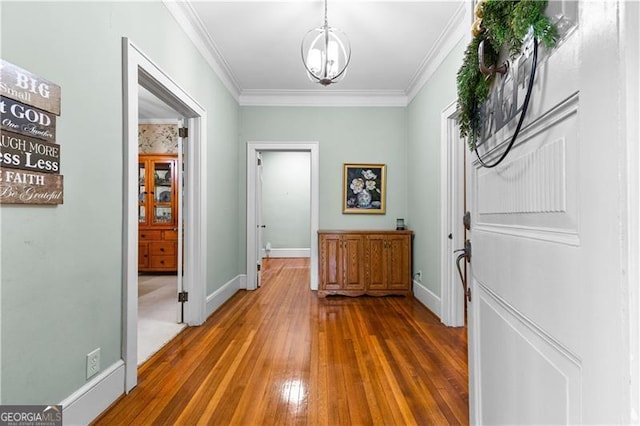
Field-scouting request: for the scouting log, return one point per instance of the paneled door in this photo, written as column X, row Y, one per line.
column 548, row 316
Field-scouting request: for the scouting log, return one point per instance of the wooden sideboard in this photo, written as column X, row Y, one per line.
column 354, row 263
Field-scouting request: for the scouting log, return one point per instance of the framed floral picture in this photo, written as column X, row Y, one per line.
column 364, row 188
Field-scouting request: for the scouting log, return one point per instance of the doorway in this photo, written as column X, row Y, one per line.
column 139, row 70
column 160, row 184
column 254, row 228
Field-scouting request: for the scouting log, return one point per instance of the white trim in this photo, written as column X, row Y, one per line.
column 193, row 27
column 195, row 219
column 139, row 69
column 159, row 121
column 451, row 35
column 88, row 402
column 427, row 298
column 224, row 293
column 569, row 237
column 451, row 212
column 252, row 149
column 630, row 56
column 287, row 252
column 324, row 98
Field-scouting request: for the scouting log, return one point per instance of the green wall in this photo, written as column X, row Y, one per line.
column 286, row 199
column 424, row 165
column 345, row 135
column 61, row 271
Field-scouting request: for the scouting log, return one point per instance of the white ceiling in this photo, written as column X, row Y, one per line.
column 150, row 107
column 254, row 47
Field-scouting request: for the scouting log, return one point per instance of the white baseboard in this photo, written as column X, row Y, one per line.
column 427, row 298
column 221, row 295
column 88, row 402
column 287, row 252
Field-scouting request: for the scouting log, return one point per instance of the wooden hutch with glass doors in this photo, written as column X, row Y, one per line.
column 157, row 213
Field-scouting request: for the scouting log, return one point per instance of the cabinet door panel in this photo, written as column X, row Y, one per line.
column 163, row 184
column 353, row 262
column 143, row 218
column 399, row 271
column 331, row 267
column 376, row 262
column 143, row 255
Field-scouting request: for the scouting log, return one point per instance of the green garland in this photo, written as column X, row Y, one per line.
column 498, row 22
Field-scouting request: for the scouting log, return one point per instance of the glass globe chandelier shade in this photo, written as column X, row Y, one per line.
column 326, row 53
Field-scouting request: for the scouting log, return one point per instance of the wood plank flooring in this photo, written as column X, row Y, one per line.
column 282, row 356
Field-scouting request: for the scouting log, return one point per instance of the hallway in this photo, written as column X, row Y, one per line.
column 281, row 355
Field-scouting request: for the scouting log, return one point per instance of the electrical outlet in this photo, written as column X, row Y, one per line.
column 93, row 363
column 418, row 276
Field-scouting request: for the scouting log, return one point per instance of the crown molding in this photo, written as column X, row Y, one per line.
column 188, row 20
column 319, row 98
column 452, row 34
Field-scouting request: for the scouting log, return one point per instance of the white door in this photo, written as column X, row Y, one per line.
column 259, row 219
column 548, row 318
column 182, row 147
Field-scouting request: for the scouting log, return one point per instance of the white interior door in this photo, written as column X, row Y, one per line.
column 452, row 203
column 548, row 320
column 259, row 219
column 182, row 146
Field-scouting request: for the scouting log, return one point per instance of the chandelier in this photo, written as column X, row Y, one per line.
column 326, row 53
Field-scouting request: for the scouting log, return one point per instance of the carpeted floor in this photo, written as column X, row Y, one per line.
column 157, row 313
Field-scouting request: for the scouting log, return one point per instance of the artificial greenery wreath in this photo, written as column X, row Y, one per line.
column 498, row 22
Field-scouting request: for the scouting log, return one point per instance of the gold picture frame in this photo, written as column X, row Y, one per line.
column 364, row 188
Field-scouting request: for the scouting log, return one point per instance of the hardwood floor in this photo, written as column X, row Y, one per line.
column 281, row 355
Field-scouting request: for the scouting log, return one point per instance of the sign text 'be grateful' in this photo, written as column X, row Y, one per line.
column 18, row 187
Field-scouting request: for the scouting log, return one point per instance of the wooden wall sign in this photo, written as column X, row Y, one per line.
column 20, row 187
column 29, row 158
column 23, row 86
column 23, row 119
column 23, row 152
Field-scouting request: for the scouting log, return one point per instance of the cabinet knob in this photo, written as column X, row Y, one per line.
column 143, row 235
column 161, row 248
column 162, row 262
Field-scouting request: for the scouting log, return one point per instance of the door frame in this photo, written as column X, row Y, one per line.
column 138, row 68
column 451, row 211
column 279, row 146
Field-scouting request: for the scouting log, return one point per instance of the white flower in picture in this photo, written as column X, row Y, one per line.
column 357, row 185
column 368, row 174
